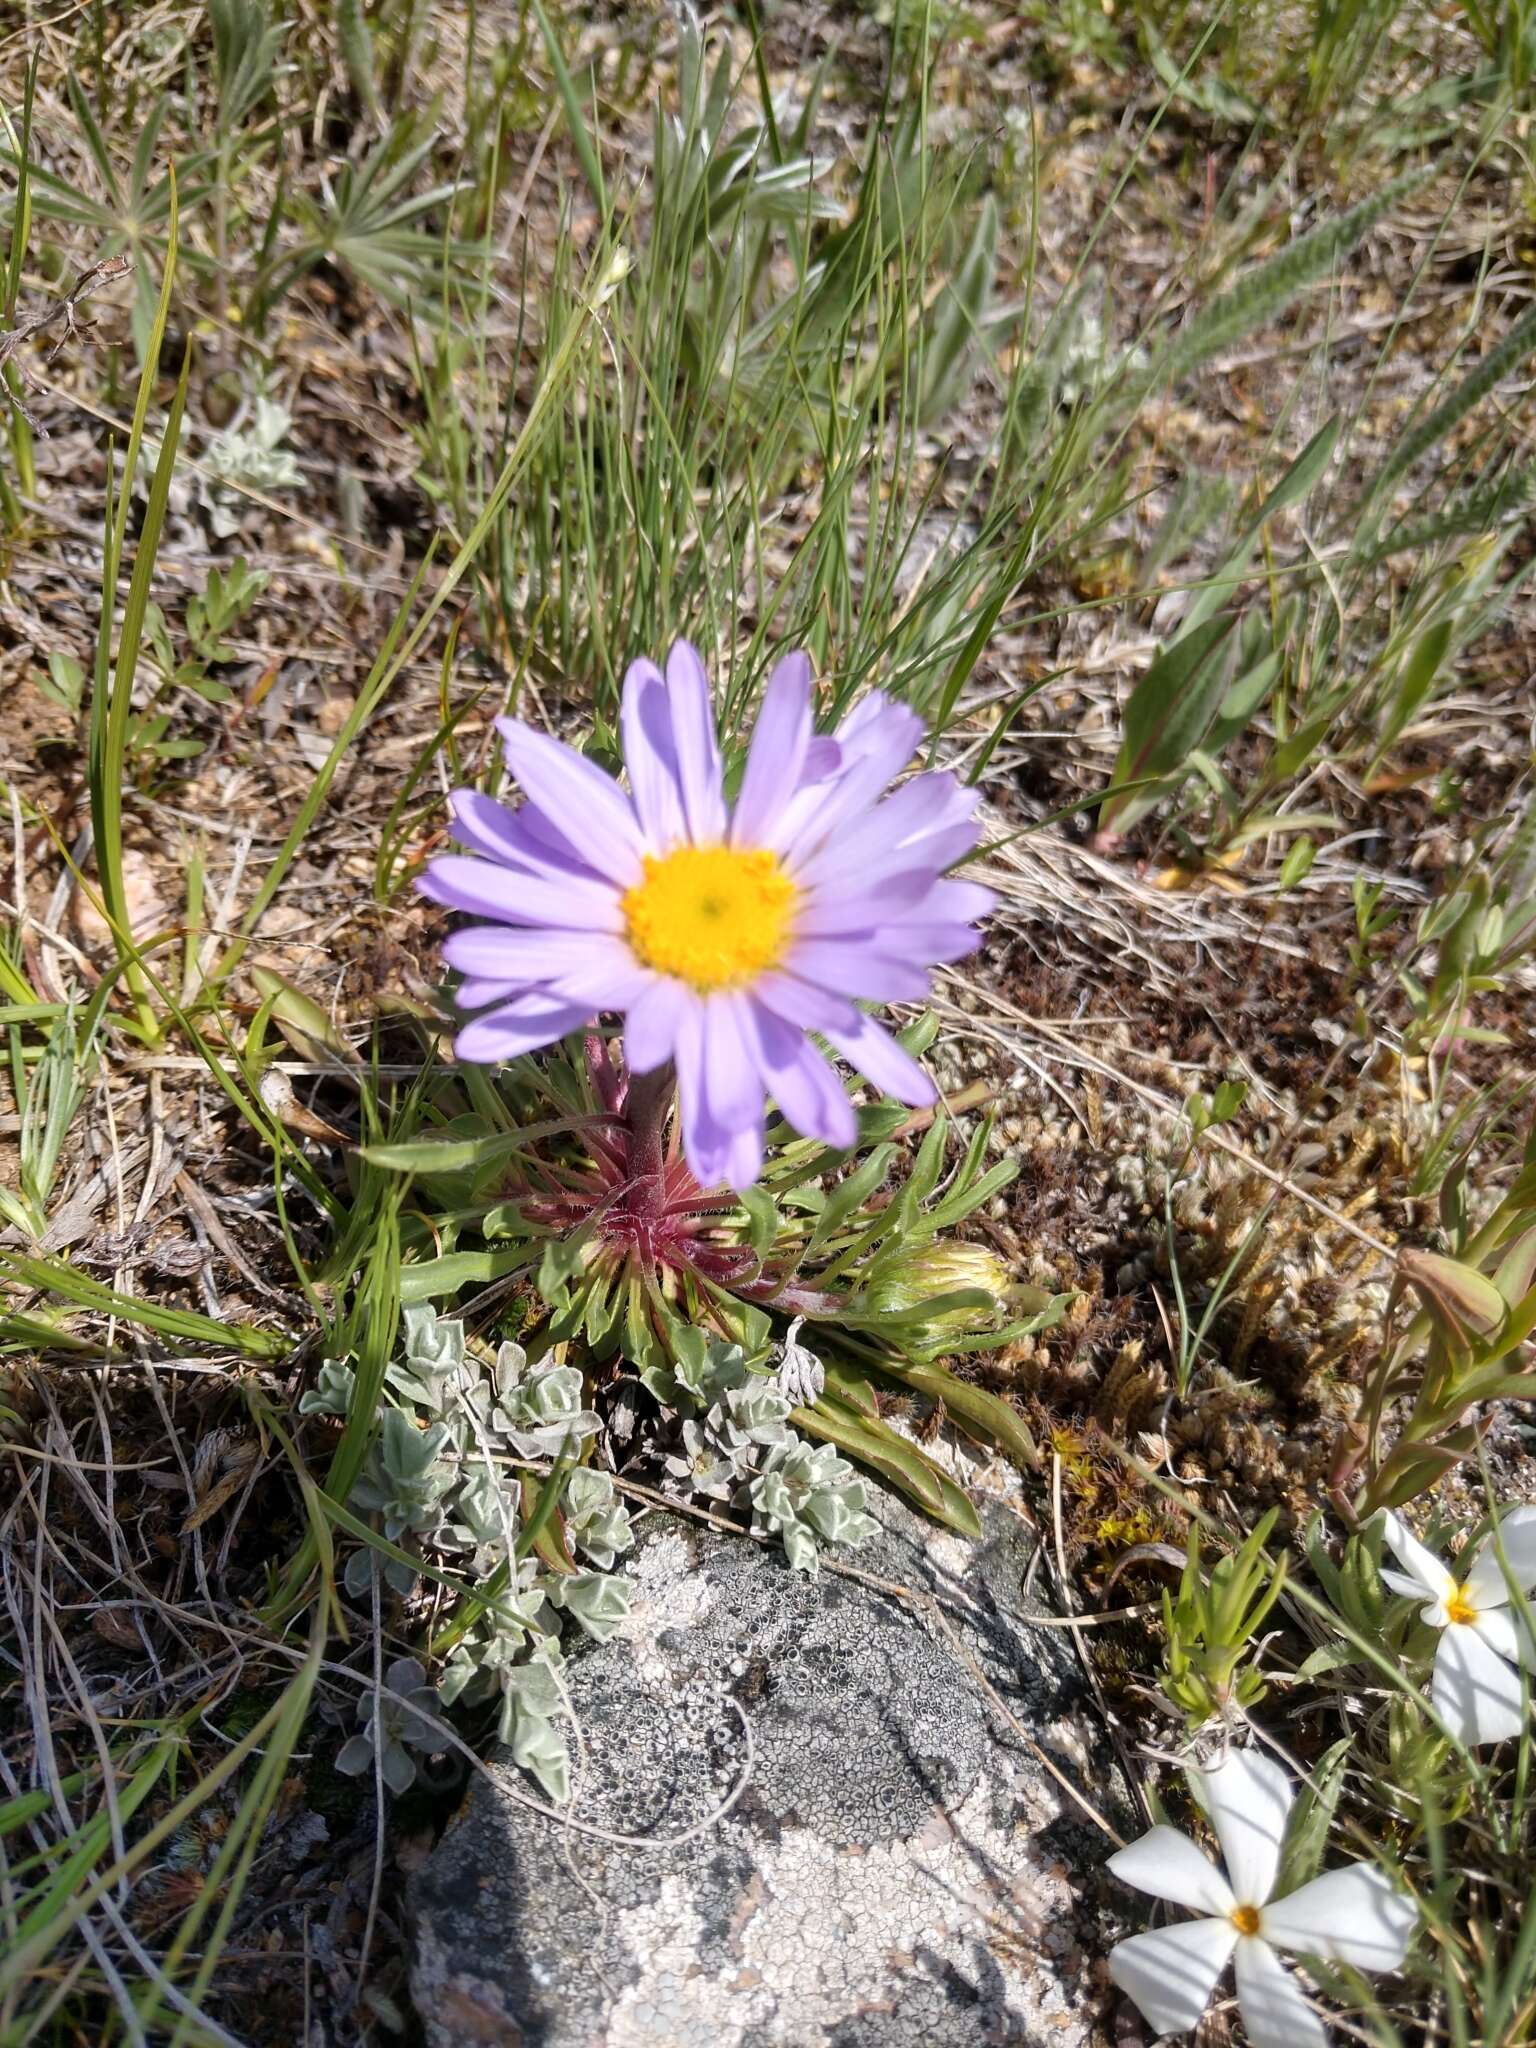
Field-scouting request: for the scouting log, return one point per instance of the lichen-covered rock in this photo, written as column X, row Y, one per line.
column 896, row 1874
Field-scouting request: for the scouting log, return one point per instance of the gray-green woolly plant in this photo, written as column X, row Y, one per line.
column 444, row 1481
column 392, row 1726
column 247, row 456
column 443, row 1477
column 733, row 1443
column 809, row 1497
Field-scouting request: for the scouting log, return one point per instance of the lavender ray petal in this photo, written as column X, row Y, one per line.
column 509, row 952
column 872, row 1050
column 571, row 788
column 531, row 1021
column 698, row 750
column 857, row 969
column 520, row 839
column 650, row 755
column 651, row 1026
column 803, row 1004
column 777, row 753
column 802, row 1084
column 484, row 889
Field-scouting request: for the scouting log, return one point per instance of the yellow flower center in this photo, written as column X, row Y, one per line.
column 1246, row 1919
column 1459, row 1607
column 713, row 916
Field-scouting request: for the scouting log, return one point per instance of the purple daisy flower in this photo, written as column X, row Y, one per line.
column 722, row 936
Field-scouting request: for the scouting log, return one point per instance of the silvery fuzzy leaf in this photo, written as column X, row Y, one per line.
column 553, row 1439
column 599, row 1601
column 535, row 1685
column 836, row 1518
column 332, row 1392
column 357, row 1575
column 397, row 1769
column 404, row 1675
column 773, row 1505
column 595, row 1520
column 509, row 1368
column 755, row 1414
column 542, row 1412
column 699, row 1377
column 801, row 1376
column 700, row 1465
column 805, row 1468
column 421, row 1387
column 409, row 1456
column 462, row 1678
column 485, row 1515
column 520, row 1614
column 404, row 1478
column 434, row 1370
column 430, row 1340
column 806, row 1491
column 407, row 1705
column 537, row 1745
column 471, row 1425
column 355, row 1756
column 722, row 1369
column 550, row 1396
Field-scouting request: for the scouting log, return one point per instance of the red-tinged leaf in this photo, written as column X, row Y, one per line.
column 1166, row 717
column 972, row 1408
column 852, row 1388
column 1517, row 1269
column 1464, row 1303
column 550, row 1541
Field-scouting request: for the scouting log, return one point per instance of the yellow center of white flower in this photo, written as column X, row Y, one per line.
column 1460, row 1606
column 714, row 916
column 1245, row 1919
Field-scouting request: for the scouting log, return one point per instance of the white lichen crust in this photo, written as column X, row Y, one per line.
column 893, row 1876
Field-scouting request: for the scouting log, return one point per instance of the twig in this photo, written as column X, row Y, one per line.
column 30, row 326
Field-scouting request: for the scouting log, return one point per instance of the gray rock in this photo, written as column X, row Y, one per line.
column 895, row 1874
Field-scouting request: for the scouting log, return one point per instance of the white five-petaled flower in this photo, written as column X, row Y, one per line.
column 1476, row 1687
column 1350, row 1915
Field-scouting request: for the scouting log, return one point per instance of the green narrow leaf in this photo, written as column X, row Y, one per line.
column 459, row 1155
column 1242, row 702
column 356, row 46
column 575, row 113
column 1299, row 480
column 112, row 691
column 1416, row 680
column 872, row 1443
column 436, row 1279
column 959, row 317
column 300, row 1019
column 21, row 205
column 972, row 1407
column 1166, row 718
column 65, row 1282
column 763, row 1219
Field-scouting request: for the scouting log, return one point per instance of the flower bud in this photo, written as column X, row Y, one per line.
column 933, row 1270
